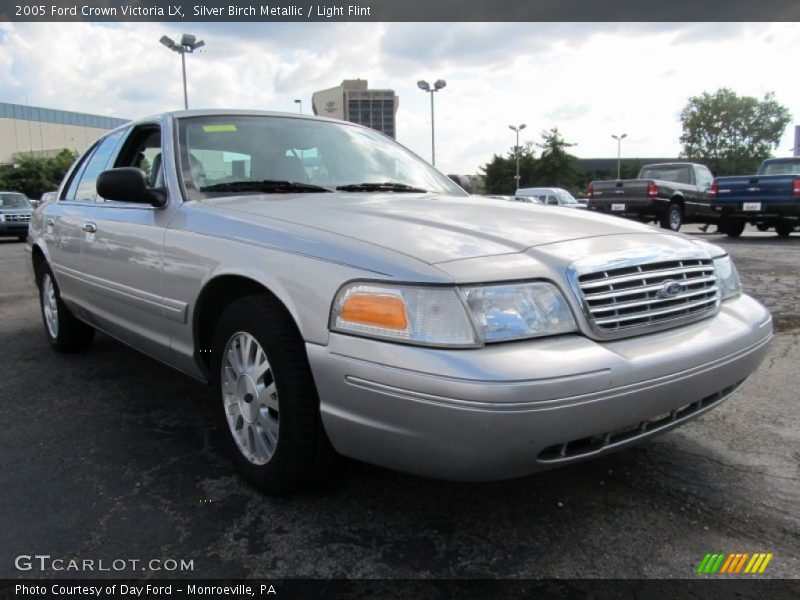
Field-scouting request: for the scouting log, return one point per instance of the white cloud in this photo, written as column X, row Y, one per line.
column 590, row 80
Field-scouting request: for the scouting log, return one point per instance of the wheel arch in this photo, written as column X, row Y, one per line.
column 39, row 260
column 217, row 293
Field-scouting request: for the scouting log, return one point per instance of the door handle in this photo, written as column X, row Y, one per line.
column 89, row 227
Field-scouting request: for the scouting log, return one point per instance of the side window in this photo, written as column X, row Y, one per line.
column 704, row 178
column 82, row 184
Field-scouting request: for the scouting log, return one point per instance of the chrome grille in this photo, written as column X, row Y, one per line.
column 649, row 294
column 21, row 218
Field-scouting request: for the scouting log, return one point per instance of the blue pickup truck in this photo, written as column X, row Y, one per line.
column 770, row 198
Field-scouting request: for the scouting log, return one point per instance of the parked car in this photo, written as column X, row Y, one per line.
column 550, row 196
column 670, row 193
column 770, row 198
column 15, row 214
column 367, row 306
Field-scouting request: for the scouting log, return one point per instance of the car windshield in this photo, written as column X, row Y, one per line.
column 566, row 197
column 786, row 167
column 13, row 200
column 225, row 155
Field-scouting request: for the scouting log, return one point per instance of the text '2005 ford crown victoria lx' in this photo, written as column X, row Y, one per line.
column 342, row 297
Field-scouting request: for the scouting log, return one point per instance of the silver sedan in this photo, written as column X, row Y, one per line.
column 340, row 296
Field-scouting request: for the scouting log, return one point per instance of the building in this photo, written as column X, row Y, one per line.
column 46, row 131
column 353, row 101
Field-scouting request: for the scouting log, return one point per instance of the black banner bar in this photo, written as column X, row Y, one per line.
column 399, row 11
column 702, row 588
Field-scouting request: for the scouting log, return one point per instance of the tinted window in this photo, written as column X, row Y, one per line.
column 95, row 165
column 781, row 168
column 675, row 174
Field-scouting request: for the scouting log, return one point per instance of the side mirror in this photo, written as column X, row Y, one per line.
column 129, row 184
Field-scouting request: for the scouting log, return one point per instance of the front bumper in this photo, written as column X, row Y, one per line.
column 511, row 409
column 13, row 228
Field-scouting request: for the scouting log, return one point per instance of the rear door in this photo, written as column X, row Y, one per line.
column 64, row 220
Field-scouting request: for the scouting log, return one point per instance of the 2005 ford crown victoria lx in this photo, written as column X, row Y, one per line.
column 343, row 297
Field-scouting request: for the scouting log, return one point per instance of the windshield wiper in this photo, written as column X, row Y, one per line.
column 387, row 186
column 272, row 186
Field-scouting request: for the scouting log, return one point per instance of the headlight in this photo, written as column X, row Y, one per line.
column 445, row 316
column 727, row 278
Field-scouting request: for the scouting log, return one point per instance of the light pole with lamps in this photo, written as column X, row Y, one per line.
column 188, row 43
column 426, row 87
column 516, row 130
column 619, row 139
column 300, row 102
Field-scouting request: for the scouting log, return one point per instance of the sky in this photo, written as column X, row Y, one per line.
column 591, row 80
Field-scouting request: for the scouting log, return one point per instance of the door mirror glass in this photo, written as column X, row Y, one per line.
column 128, row 184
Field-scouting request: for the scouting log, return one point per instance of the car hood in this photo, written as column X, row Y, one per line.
column 433, row 229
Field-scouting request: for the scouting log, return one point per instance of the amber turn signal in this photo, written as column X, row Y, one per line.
column 377, row 310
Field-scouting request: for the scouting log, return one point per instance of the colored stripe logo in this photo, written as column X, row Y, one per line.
column 736, row 563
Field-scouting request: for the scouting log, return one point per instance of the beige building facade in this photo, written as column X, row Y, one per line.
column 353, row 101
column 45, row 131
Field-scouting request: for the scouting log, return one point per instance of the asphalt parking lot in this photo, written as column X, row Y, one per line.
column 109, row 455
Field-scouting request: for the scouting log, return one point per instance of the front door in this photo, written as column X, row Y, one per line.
column 122, row 255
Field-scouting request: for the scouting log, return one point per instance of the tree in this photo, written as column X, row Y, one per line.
column 34, row 175
column 556, row 167
column 732, row 134
column 498, row 174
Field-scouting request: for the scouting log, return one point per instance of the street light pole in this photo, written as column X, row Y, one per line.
column 188, row 43
column 426, row 87
column 516, row 130
column 619, row 139
column 300, row 102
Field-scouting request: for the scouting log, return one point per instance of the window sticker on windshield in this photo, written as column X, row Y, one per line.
column 218, row 128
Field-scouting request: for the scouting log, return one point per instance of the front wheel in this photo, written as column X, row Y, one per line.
column 673, row 218
column 64, row 332
column 784, row 229
column 266, row 398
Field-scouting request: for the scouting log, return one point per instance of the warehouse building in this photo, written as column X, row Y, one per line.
column 353, row 101
column 45, row 131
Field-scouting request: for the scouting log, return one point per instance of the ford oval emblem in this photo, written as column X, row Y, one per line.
column 670, row 289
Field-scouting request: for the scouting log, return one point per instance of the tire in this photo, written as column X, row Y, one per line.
column 762, row 227
column 672, row 219
column 734, row 228
column 784, row 229
column 270, row 421
column 23, row 238
column 64, row 331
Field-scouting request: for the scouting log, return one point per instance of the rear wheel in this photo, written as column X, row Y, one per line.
column 64, row 332
column 672, row 219
column 266, row 398
column 762, row 226
column 784, row 229
column 734, row 228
